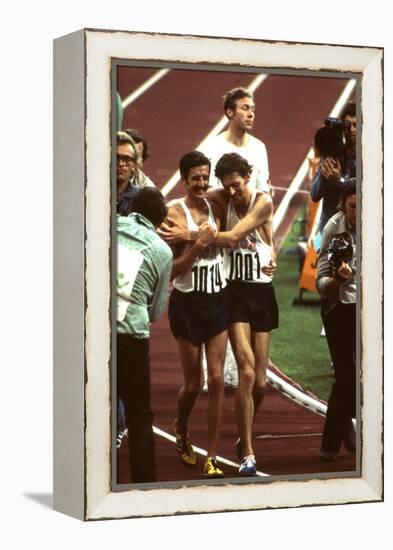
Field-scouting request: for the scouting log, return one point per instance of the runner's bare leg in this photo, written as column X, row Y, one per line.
column 240, row 336
column 215, row 352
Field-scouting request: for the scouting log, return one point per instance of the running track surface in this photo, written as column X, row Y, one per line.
column 175, row 115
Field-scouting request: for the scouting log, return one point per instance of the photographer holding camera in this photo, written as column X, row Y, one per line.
column 336, row 144
column 336, row 283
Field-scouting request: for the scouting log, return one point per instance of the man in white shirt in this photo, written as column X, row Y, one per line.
column 239, row 107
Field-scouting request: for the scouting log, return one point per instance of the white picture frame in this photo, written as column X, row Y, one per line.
column 82, row 250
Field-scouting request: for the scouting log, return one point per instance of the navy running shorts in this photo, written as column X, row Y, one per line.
column 198, row 316
column 253, row 303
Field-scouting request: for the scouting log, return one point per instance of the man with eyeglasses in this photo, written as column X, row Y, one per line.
column 144, row 265
column 130, row 179
column 129, row 176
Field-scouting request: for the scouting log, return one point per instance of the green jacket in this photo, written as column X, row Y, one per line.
column 144, row 262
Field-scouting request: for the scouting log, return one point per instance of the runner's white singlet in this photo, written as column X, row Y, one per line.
column 245, row 261
column 206, row 274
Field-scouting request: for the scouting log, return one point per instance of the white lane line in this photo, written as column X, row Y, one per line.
column 144, row 87
column 299, row 191
column 200, row 451
column 303, row 170
column 171, row 183
column 344, row 97
column 288, row 436
column 291, row 191
column 317, row 217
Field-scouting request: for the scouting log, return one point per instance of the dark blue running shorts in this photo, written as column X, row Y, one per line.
column 198, row 316
column 253, row 303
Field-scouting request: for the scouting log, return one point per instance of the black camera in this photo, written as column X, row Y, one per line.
column 329, row 140
column 340, row 250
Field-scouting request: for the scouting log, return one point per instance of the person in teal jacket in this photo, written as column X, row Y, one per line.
column 144, row 264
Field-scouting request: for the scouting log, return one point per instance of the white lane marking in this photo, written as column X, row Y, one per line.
column 292, row 189
column 171, row 183
column 144, row 87
column 342, row 100
column 303, row 170
column 299, row 191
column 286, row 436
column 200, row 451
column 314, row 230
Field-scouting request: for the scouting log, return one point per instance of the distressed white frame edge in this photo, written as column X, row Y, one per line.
column 69, row 275
column 100, row 502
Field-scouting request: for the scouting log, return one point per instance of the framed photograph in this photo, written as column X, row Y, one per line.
column 167, row 92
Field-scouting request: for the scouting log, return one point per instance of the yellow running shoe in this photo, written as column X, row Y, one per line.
column 211, row 469
column 184, row 447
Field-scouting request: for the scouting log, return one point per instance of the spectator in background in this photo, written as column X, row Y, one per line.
column 332, row 173
column 130, row 178
column 129, row 175
column 144, row 264
column 239, row 108
column 126, row 166
column 337, row 286
column 140, row 143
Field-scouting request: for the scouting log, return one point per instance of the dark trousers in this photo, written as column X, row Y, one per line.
column 133, row 386
column 340, row 328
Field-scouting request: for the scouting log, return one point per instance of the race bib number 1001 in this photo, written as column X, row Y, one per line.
column 243, row 266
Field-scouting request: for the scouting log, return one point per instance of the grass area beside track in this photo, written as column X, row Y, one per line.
column 296, row 347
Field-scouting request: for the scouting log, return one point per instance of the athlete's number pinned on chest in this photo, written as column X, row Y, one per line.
column 207, row 278
column 243, row 266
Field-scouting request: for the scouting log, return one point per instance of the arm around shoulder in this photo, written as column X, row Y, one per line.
column 173, row 230
column 259, row 215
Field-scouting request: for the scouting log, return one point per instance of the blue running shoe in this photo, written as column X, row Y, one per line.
column 248, row 466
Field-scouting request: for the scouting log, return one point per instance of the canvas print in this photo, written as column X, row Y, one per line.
column 218, row 334
column 235, row 289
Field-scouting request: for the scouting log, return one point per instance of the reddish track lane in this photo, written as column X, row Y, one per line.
column 175, row 115
column 181, row 109
column 130, row 78
column 289, row 110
